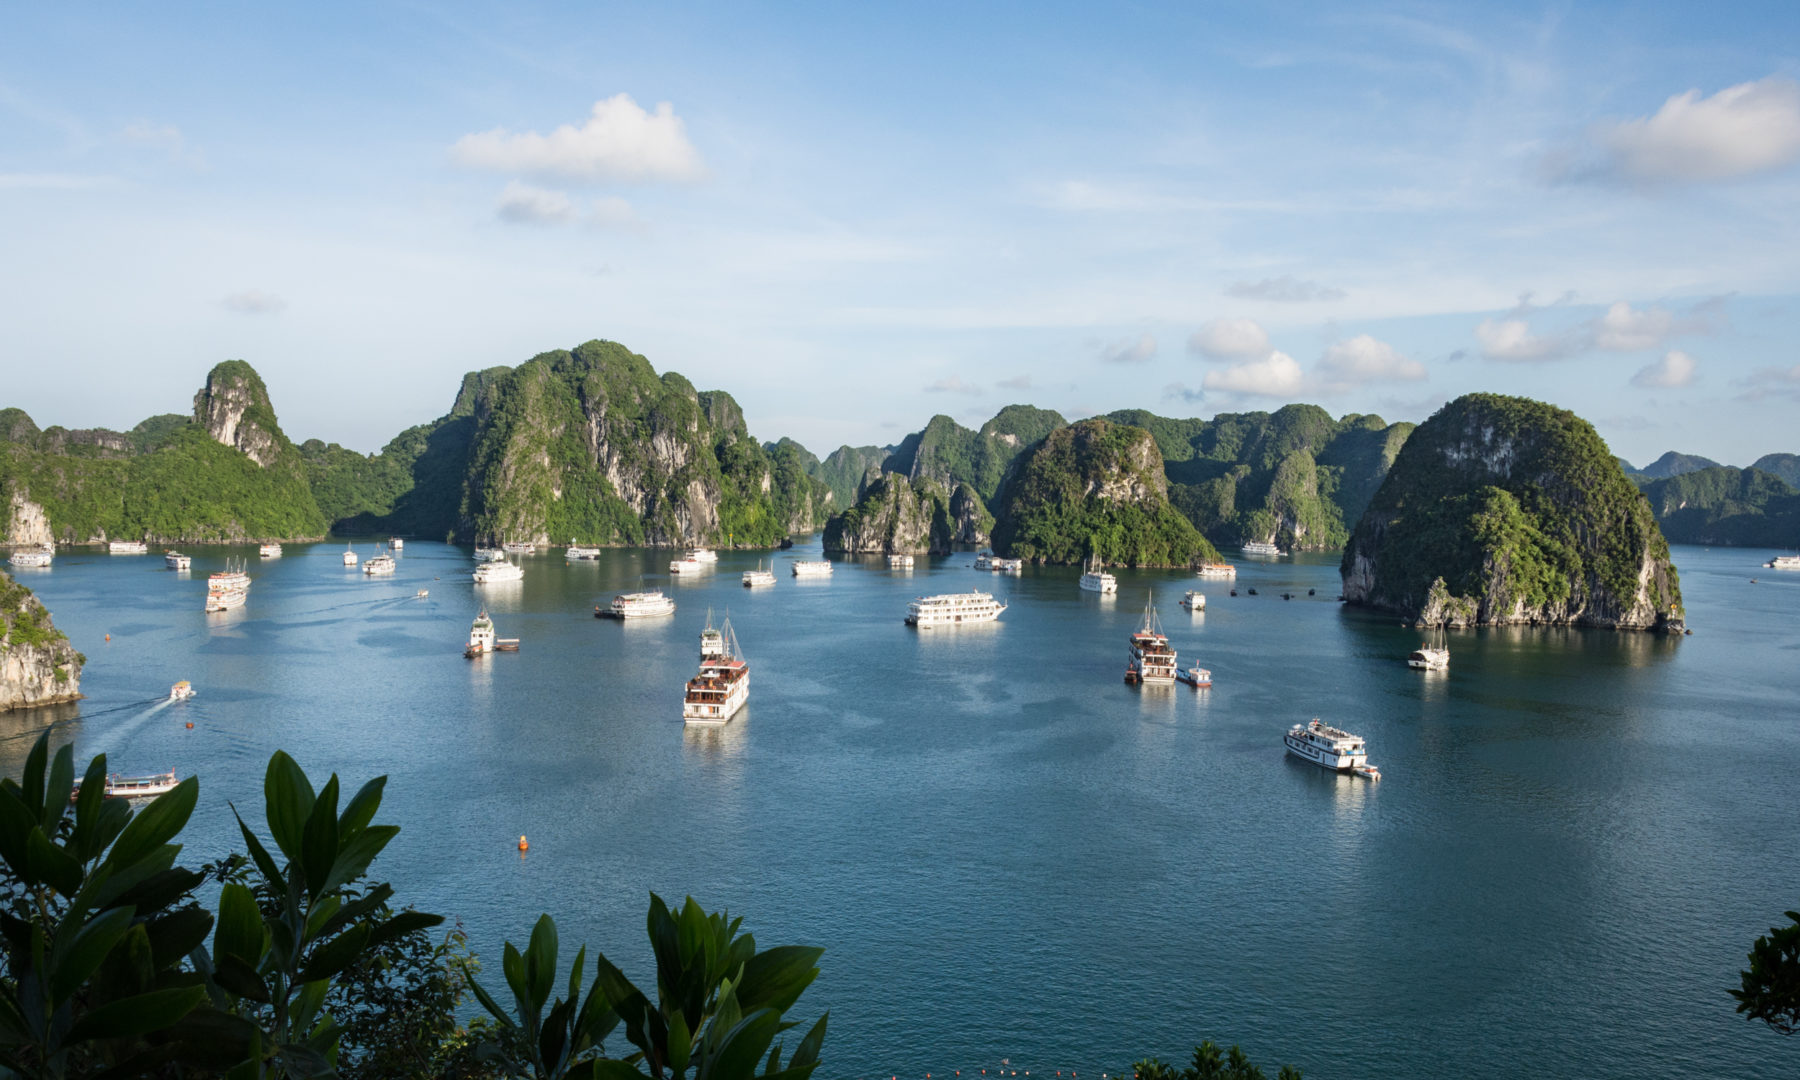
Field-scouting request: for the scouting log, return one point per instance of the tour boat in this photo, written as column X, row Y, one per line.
column 382, row 563
column 1431, row 656
column 812, row 568
column 518, row 547
column 577, row 551
column 488, row 554
column 1197, row 677
column 637, row 605
column 1216, row 570
column 900, row 562
column 349, row 555
column 687, row 564
column 716, row 694
column 134, row 787
column 482, row 640
column 269, row 551
column 953, row 609
column 128, row 547
column 1094, row 578
column 228, row 588
column 1784, row 562
column 493, row 573
column 705, row 555
column 42, row 556
column 758, row 577
column 1152, row 658
column 181, row 691
column 1260, row 547
column 175, row 560
column 396, row 544
column 422, row 594
column 1329, row 748
column 1194, row 600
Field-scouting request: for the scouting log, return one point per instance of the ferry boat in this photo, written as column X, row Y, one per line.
column 1152, row 658
column 1197, row 677
column 518, row 547
column 1259, row 547
column 1431, row 656
column 758, row 577
column 900, row 562
column 396, row 544
column 1094, row 578
column 812, row 568
column 128, row 547
column 722, row 686
column 228, row 588
column 494, row 573
column 704, row 555
column 42, row 556
column 1784, row 562
column 953, row 609
column 687, row 564
column 379, row 564
column 181, row 691
column 488, row 554
column 637, row 605
column 349, row 555
column 269, row 551
column 482, row 639
column 1329, row 748
column 175, row 560
column 1194, row 600
column 134, row 787
column 1216, row 570
column 577, row 551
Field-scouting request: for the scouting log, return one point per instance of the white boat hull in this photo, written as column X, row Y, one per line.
column 1324, row 759
column 712, row 715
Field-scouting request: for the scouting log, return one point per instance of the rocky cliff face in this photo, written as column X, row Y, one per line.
column 1503, row 510
column 1096, row 488
column 970, row 518
column 896, row 516
column 26, row 523
column 38, row 666
column 234, row 408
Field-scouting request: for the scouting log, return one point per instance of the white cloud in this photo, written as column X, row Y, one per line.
column 952, row 385
column 1184, row 392
column 619, row 141
column 1275, row 375
column 1512, row 339
column 1230, row 339
column 1129, row 352
column 1745, row 129
column 1363, row 359
column 523, row 204
column 1283, row 290
column 1017, row 382
column 1623, row 330
column 1676, row 368
column 1772, row 382
column 253, row 302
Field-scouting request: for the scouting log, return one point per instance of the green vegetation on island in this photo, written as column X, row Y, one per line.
column 38, row 666
column 1506, row 510
column 1785, row 466
column 1096, row 488
column 895, row 516
column 844, row 468
column 1722, row 505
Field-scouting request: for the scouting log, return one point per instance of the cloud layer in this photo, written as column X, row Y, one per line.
column 1283, row 290
column 1749, row 128
column 1230, row 339
column 618, row 142
column 1129, row 352
column 1676, row 368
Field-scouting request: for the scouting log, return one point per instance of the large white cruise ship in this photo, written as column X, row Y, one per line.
column 228, row 588
column 637, row 605
column 812, row 568
column 493, row 573
column 40, row 556
column 687, row 564
column 577, row 552
column 269, row 551
column 1784, row 562
column 128, row 547
column 758, row 577
column 1094, row 578
column 175, row 560
column 1330, row 748
column 953, row 609
column 1433, row 655
column 1216, row 570
column 716, row 694
column 1152, row 657
column 380, row 564
column 1259, row 547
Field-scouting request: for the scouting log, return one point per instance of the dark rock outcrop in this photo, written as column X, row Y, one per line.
column 895, row 516
column 38, row 666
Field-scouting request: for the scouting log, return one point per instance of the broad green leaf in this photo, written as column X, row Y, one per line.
column 576, row 971
column 354, row 859
column 553, row 1038
column 680, row 1041
column 58, row 787
column 74, row 962
column 258, row 854
column 16, row 823
column 361, row 809
column 806, row 1055
column 289, row 798
column 108, row 884
column 139, row 1015
column 82, row 842
column 613, row 1069
column 155, row 825
column 354, row 910
column 742, row 1047
column 402, row 924
column 237, row 977
column 162, row 888
column 240, row 930
column 512, row 965
column 32, row 781
column 48, row 863
column 319, row 839
column 540, row 961
column 775, row 978
column 177, row 934
column 336, row 955
column 488, row 1003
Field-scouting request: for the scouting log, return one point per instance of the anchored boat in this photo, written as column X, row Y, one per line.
column 379, row 565
column 722, row 686
column 41, row 556
column 482, row 639
column 637, row 605
column 812, row 568
column 1330, row 748
column 758, row 577
column 953, row 609
column 128, row 547
column 134, row 787
column 228, row 588
column 1194, row 600
column 1094, row 577
column 1152, row 657
column 494, row 573
column 1433, row 655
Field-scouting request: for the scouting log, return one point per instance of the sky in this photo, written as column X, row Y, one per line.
column 855, row 216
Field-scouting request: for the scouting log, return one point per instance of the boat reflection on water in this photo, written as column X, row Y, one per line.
column 718, row 742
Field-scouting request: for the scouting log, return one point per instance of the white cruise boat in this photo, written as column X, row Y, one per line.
column 722, row 686
column 1431, row 656
column 1784, row 562
column 175, row 560
column 379, row 564
column 812, row 568
column 269, row 551
column 128, row 547
column 488, row 554
column 1194, row 600
column 494, row 573
column 758, row 577
column 953, row 609
column 518, row 547
column 1094, row 578
column 579, row 551
column 482, row 639
column 228, row 588
column 984, row 560
column 687, row 564
column 704, row 555
column 900, row 562
column 41, row 556
column 1329, row 748
column 134, row 787
column 1152, row 657
column 637, row 605
column 1216, row 570
column 1258, row 547
column 349, row 555
column 396, row 544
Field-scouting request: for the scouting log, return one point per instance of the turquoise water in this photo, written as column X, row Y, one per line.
column 1007, row 852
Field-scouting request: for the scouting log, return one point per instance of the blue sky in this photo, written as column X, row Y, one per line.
column 853, row 217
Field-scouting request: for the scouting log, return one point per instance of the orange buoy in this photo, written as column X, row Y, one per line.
column 109, row 637
column 190, row 724
column 523, row 845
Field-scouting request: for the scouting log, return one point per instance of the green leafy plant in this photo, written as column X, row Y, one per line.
column 1209, row 1063
column 718, row 1012
column 1771, row 988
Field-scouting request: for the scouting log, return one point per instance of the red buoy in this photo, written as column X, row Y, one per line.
column 523, row 846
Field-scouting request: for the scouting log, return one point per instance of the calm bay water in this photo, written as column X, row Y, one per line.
column 1006, row 851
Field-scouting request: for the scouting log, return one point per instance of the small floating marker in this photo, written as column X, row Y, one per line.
column 109, row 637
column 190, row 724
column 523, row 846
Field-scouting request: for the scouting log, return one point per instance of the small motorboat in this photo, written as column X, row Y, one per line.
column 1197, row 677
column 181, row 691
column 421, row 594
